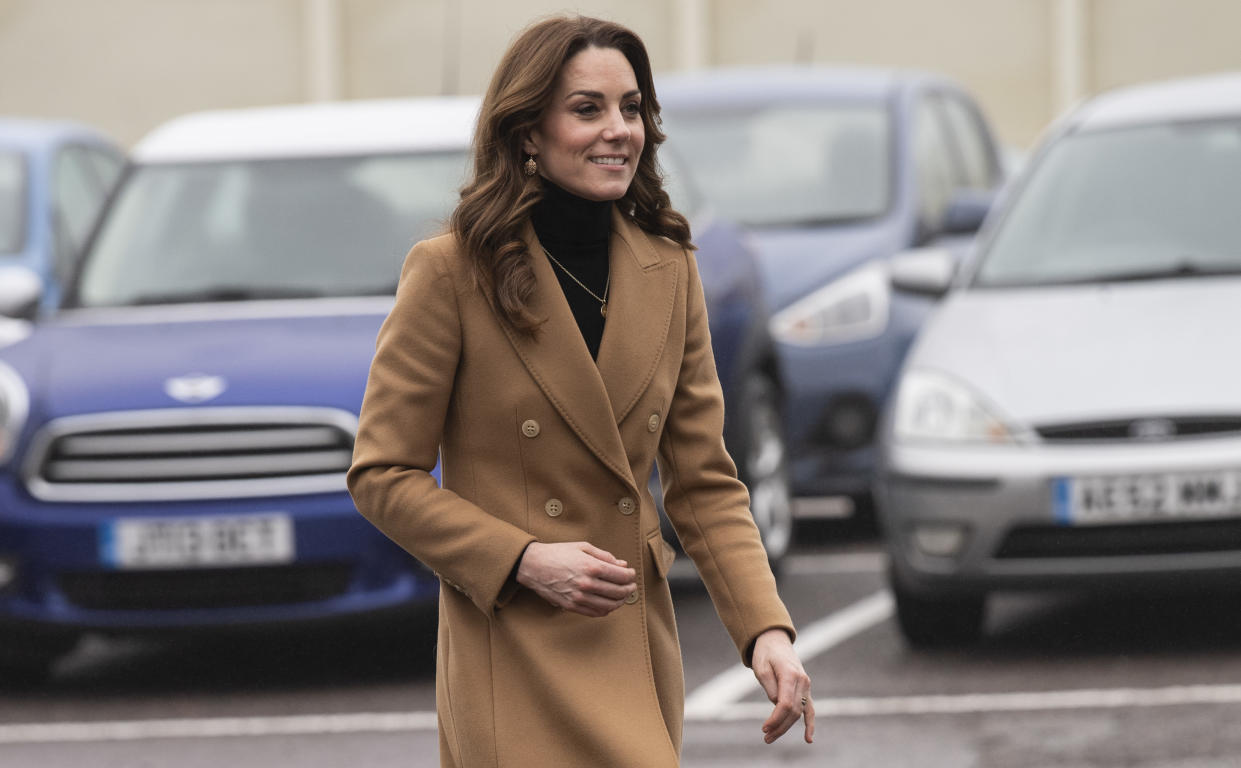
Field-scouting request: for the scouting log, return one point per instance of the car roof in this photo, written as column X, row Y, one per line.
column 315, row 130
column 729, row 87
column 30, row 134
column 1196, row 98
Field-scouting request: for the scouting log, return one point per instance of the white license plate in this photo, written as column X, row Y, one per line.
column 1147, row 498
column 197, row 542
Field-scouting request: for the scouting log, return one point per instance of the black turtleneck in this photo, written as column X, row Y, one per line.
column 576, row 231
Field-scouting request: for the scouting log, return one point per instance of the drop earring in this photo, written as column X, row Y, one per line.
column 531, row 167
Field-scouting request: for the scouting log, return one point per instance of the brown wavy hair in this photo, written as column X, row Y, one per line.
column 495, row 204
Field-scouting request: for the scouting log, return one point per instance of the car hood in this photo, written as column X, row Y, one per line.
column 123, row 359
column 1063, row 354
column 794, row 262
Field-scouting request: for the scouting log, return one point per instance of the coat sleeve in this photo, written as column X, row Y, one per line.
column 408, row 394
column 706, row 503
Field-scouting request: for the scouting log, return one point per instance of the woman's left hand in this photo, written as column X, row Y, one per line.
column 782, row 676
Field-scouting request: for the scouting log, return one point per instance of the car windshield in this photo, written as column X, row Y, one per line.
column 788, row 166
column 1126, row 204
column 308, row 227
column 12, row 202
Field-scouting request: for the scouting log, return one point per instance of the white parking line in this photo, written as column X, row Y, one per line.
column 408, row 722
column 720, row 692
column 977, row 703
column 718, row 700
column 216, row 727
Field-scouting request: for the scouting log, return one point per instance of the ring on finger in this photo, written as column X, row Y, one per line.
column 804, row 701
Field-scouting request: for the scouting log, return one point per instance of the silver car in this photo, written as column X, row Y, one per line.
column 1071, row 414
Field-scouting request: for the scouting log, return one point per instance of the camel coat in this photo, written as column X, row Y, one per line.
column 540, row 443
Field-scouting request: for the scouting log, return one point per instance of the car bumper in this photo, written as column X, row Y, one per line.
column 832, row 400
column 975, row 519
column 342, row 567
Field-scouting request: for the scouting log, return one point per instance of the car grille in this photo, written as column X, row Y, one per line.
column 1046, row 541
column 199, row 453
column 205, row 588
column 1142, row 429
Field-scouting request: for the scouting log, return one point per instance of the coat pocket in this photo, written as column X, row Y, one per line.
column 662, row 553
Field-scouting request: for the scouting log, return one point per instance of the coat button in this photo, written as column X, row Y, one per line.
column 625, row 505
column 632, row 597
column 652, row 423
column 553, row 507
column 530, row 428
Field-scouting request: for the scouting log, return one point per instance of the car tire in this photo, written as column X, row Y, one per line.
column 938, row 622
column 764, row 468
column 26, row 662
column 21, row 676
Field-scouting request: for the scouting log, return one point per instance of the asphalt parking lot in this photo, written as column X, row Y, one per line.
column 1134, row 681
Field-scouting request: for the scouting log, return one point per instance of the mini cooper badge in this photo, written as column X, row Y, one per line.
column 195, row 387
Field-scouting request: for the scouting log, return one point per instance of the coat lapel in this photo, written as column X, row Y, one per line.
column 640, row 306
column 560, row 363
column 593, row 399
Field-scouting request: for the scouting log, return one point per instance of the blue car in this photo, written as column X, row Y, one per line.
column 833, row 172
column 173, row 442
column 54, row 178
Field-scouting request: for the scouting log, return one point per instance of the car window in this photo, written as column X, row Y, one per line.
column 12, row 202
column 783, row 165
column 933, row 164
column 1157, row 201
column 270, row 228
column 973, row 149
column 681, row 189
column 78, row 195
column 107, row 165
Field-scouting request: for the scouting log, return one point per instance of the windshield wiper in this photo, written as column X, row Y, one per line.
column 1185, row 268
column 383, row 291
column 223, row 293
column 813, row 221
column 1182, row 268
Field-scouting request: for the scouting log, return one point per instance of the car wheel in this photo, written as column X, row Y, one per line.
column 27, row 661
column 764, row 468
column 20, row 675
column 938, row 622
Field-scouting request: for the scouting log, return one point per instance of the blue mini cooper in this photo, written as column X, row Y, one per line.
column 173, row 442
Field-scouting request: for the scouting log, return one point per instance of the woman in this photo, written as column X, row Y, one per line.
column 547, row 349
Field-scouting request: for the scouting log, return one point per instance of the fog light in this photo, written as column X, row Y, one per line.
column 849, row 421
column 940, row 539
column 8, row 572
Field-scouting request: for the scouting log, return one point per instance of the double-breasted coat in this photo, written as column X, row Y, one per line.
column 539, row 442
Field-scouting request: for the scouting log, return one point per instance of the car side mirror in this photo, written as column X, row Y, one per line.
column 20, row 291
column 966, row 210
column 925, row 271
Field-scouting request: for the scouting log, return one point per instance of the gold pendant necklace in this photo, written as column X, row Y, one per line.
column 603, row 301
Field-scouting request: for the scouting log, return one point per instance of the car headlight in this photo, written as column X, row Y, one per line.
column 14, row 407
column 934, row 407
column 852, row 307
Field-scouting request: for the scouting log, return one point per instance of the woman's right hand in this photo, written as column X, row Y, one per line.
column 577, row 576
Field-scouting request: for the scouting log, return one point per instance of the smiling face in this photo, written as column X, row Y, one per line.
column 591, row 135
